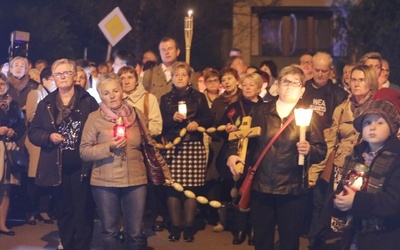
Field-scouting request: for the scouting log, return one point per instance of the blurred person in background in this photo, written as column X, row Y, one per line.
column 12, row 127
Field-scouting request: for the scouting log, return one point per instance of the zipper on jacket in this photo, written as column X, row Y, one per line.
column 59, row 154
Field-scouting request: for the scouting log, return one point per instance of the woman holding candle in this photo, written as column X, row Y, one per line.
column 111, row 139
column 187, row 159
column 278, row 190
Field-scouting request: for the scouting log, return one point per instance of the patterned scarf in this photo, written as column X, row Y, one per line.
column 65, row 110
column 125, row 111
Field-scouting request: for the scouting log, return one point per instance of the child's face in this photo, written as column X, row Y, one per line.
column 375, row 131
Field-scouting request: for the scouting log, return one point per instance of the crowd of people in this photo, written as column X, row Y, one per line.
column 67, row 115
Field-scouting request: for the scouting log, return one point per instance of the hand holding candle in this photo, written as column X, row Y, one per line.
column 182, row 109
column 303, row 119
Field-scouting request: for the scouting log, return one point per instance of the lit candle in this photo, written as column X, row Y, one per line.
column 303, row 119
column 119, row 128
column 182, row 108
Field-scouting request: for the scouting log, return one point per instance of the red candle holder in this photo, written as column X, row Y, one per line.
column 119, row 128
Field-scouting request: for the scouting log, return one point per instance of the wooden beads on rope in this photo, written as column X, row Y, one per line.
column 190, row 195
column 183, row 132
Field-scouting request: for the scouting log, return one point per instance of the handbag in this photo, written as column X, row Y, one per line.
column 245, row 188
column 17, row 157
column 155, row 174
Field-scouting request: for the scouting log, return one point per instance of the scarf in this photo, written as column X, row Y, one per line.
column 5, row 101
column 125, row 111
column 18, row 84
column 65, row 110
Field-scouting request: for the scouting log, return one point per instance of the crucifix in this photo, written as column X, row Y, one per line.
column 242, row 135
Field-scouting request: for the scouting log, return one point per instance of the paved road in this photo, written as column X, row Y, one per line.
column 43, row 236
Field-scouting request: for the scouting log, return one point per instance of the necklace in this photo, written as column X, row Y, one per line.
column 209, row 99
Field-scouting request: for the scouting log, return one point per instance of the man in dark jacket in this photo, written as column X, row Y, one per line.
column 321, row 94
column 323, row 97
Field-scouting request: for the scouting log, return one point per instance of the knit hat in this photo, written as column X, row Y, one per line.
column 388, row 94
column 384, row 108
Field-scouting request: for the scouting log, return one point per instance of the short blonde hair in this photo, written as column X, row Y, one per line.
column 182, row 65
column 255, row 77
column 109, row 77
column 63, row 61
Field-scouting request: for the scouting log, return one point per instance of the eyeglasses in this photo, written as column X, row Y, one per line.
column 286, row 82
column 354, row 80
column 209, row 81
column 65, row 74
column 306, row 62
column 2, row 84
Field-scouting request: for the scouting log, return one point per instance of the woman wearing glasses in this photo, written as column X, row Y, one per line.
column 57, row 129
column 363, row 84
column 278, row 191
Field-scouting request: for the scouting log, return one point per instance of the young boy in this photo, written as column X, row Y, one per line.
column 371, row 180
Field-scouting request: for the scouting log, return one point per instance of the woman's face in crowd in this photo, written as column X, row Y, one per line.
column 230, row 83
column 64, row 76
column 359, row 88
column 290, row 88
column 346, row 73
column 129, row 82
column 212, row 84
column 3, row 87
column 180, row 78
column 250, row 89
column 111, row 94
column 81, row 78
column 19, row 69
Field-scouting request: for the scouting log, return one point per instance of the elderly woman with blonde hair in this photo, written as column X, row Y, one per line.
column 118, row 178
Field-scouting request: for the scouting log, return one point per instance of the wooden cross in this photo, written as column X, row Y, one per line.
column 242, row 135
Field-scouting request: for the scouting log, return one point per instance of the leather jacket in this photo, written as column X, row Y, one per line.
column 279, row 172
column 197, row 110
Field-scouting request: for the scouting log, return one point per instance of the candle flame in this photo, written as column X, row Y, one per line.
column 190, row 13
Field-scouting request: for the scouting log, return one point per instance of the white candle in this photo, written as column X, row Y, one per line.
column 303, row 119
column 182, row 108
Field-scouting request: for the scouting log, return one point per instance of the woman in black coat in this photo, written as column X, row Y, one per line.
column 187, row 160
column 57, row 129
column 279, row 188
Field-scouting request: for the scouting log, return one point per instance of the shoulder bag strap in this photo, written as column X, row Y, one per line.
column 291, row 117
column 149, row 81
column 146, row 104
column 141, row 128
